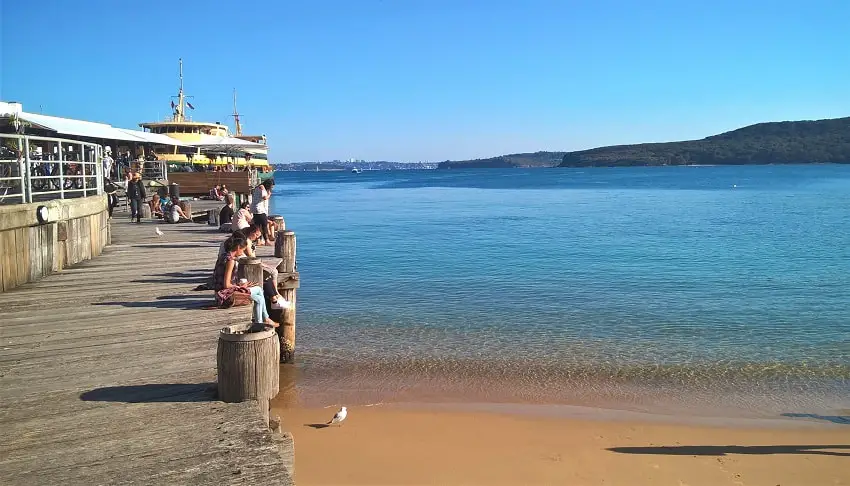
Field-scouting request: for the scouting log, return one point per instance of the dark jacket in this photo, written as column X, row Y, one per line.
column 136, row 190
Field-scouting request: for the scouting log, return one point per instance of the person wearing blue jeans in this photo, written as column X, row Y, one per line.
column 261, row 314
column 136, row 195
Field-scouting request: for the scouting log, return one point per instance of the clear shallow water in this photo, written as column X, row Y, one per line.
column 649, row 288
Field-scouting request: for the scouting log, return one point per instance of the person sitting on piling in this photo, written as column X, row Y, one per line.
column 225, row 284
column 225, row 216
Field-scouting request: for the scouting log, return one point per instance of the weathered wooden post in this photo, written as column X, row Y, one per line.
column 248, row 366
column 212, row 217
column 186, row 206
column 146, row 210
column 253, row 270
column 288, row 283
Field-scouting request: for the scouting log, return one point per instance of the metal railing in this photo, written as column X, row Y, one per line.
column 43, row 168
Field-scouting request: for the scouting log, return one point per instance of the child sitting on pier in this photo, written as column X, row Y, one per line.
column 225, row 284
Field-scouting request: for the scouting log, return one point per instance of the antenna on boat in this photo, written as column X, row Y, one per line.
column 236, row 115
column 181, row 99
column 180, row 107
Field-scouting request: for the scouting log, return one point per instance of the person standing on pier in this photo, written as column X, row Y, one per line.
column 260, row 208
column 136, row 195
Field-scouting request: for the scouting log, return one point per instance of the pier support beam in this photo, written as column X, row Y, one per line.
column 288, row 283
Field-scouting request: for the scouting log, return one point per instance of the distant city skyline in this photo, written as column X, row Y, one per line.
column 438, row 80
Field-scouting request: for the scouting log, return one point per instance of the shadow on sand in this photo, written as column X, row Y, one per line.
column 317, row 426
column 154, row 392
column 731, row 449
column 836, row 419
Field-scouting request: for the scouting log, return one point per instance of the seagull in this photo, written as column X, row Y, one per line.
column 339, row 416
column 159, row 232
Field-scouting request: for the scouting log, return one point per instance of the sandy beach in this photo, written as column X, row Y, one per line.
column 411, row 444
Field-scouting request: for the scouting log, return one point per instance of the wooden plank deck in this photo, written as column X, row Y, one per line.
column 107, row 372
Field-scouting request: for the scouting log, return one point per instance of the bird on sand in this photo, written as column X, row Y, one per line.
column 339, row 416
column 159, row 232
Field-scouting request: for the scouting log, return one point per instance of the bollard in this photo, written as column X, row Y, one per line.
column 284, row 247
column 252, row 270
column 186, row 206
column 248, row 364
column 146, row 210
column 212, row 217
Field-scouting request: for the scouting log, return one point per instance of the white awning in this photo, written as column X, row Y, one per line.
column 81, row 128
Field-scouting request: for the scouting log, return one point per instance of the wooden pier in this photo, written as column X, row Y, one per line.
column 108, row 372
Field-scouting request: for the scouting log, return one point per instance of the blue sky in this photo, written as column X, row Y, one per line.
column 432, row 80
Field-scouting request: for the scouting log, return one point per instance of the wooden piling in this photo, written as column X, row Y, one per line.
column 248, row 365
column 186, row 206
column 288, row 283
column 253, row 269
column 285, row 248
column 212, row 217
column 146, row 210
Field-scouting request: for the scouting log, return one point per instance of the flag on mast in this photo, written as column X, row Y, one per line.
column 190, row 105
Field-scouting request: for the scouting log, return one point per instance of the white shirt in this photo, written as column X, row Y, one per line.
column 259, row 203
column 241, row 219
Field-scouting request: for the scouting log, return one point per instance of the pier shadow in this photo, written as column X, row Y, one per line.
column 732, row 449
column 836, row 419
column 186, row 279
column 177, row 246
column 155, row 392
column 166, row 302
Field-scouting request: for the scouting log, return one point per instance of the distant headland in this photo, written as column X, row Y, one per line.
column 788, row 142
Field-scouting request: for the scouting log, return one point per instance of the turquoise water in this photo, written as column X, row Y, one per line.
column 641, row 288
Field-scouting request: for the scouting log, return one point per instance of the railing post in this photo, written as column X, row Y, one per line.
column 83, row 167
column 98, row 169
column 24, row 169
column 61, row 173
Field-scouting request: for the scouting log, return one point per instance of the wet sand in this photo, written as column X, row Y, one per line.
column 413, row 444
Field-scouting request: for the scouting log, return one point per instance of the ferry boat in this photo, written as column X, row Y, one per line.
column 209, row 143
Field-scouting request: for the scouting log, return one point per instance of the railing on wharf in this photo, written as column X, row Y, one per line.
column 42, row 168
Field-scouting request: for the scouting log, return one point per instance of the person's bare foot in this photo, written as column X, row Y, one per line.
column 271, row 323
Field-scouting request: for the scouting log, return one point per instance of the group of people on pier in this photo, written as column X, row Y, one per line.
column 255, row 212
column 249, row 226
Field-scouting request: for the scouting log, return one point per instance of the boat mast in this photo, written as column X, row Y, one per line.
column 181, row 99
column 236, row 115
